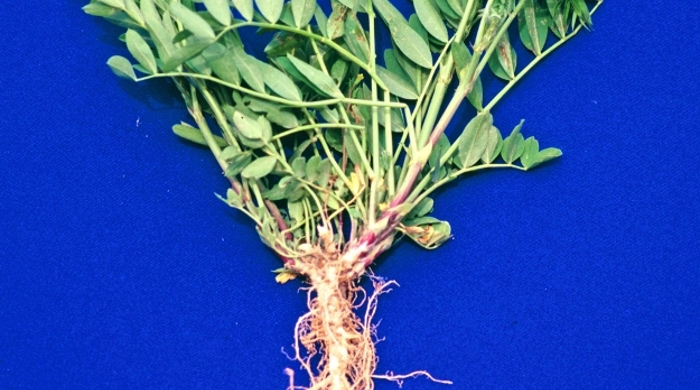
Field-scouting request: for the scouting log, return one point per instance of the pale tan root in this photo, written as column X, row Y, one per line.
column 343, row 344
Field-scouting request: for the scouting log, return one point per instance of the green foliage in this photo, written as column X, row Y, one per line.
column 329, row 129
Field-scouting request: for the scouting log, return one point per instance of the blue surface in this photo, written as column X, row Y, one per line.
column 119, row 269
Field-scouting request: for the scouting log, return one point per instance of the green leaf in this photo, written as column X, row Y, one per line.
column 198, row 64
column 414, row 72
column 149, row 11
column 303, row 11
column 324, row 173
column 250, row 70
column 232, row 198
column 121, row 67
column 473, row 141
column 438, row 151
column 265, row 128
column 259, row 168
column 356, row 39
column 238, row 163
column 429, row 15
column 462, row 57
column 123, row 20
column 533, row 157
column 299, row 166
column 355, row 5
column 397, row 84
column 192, row 22
column 222, row 63
column 547, row 154
column 275, row 193
column 321, row 21
column 513, row 145
column 352, row 151
column 530, row 149
column 330, row 115
column 286, row 66
column 259, row 105
column 312, row 167
column 533, row 24
column 280, row 117
column 581, row 11
column 407, row 40
column 503, row 60
column 245, row 8
column 192, row 48
column 456, row 5
column 194, row 135
column 229, row 153
column 286, row 17
column 493, row 145
column 424, row 207
column 339, row 70
column 141, row 51
column 447, row 10
column 416, row 25
column 163, row 4
column 282, row 43
column 247, row 126
column 558, row 25
column 270, row 9
column 335, row 26
column 114, row 3
column 160, row 35
column 219, row 10
column 321, row 80
column 100, row 9
column 132, row 9
column 279, row 82
column 296, row 211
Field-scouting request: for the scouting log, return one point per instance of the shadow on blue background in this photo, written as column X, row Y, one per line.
column 119, row 269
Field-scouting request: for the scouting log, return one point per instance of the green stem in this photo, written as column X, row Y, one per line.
column 303, row 128
column 389, row 144
column 196, row 113
column 219, row 116
column 374, row 181
column 444, row 79
column 283, row 101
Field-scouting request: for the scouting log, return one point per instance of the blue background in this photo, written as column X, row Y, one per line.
column 119, row 269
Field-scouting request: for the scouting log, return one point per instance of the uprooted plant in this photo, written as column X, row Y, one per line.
column 333, row 146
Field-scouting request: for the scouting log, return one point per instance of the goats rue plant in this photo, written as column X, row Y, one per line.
column 333, row 145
